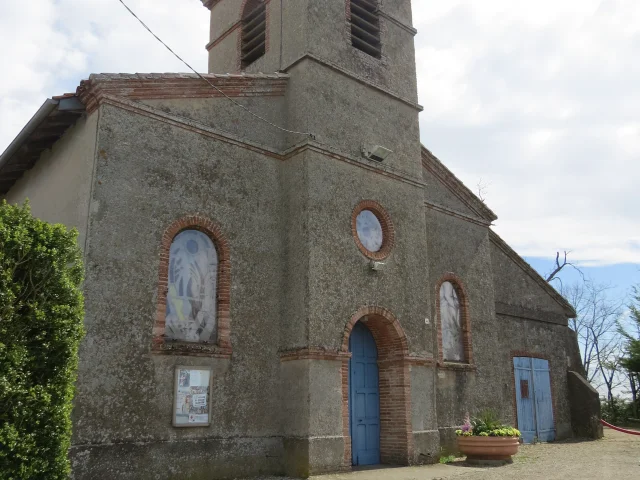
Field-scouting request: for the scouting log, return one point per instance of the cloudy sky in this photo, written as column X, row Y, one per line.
column 537, row 102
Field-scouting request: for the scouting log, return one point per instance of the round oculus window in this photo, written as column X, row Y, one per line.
column 372, row 230
column 369, row 230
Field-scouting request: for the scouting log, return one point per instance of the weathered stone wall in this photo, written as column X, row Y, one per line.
column 297, row 278
column 528, row 323
column 585, row 407
column 148, row 175
column 329, row 279
column 221, row 114
column 58, row 186
column 492, row 384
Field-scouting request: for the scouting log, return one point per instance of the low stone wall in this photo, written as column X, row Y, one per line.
column 585, row 407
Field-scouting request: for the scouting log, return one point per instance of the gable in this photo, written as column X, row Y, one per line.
column 447, row 191
column 439, row 195
column 520, row 291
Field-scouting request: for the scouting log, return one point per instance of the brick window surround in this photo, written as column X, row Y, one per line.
column 524, row 353
column 222, row 346
column 388, row 232
column 396, row 438
column 463, row 298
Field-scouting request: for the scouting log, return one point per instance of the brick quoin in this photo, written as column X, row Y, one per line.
column 396, row 439
column 461, row 291
column 222, row 347
column 524, row 353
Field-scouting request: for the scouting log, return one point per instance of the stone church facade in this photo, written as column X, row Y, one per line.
column 256, row 248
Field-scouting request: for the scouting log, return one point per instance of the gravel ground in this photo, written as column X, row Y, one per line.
column 617, row 457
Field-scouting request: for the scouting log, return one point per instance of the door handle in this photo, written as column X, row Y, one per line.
column 359, row 420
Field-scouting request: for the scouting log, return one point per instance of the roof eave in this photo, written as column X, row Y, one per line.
column 43, row 112
column 48, row 124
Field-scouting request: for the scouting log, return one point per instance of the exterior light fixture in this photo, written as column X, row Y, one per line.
column 375, row 152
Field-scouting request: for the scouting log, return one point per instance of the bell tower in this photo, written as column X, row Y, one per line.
column 352, row 85
column 372, row 38
column 334, row 51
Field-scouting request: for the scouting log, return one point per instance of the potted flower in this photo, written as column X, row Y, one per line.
column 484, row 439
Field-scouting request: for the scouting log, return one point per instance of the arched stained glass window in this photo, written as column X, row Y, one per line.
column 451, row 324
column 191, row 293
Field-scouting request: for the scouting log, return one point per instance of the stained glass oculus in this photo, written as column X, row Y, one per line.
column 191, row 295
column 451, row 325
column 369, row 230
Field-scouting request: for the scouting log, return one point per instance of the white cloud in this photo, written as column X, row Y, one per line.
column 537, row 99
column 540, row 100
column 48, row 46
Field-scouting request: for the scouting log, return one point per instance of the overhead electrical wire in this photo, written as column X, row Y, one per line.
column 211, row 84
column 307, row 134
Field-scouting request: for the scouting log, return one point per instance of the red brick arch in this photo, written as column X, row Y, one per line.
column 222, row 346
column 386, row 330
column 396, row 439
column 461, row 291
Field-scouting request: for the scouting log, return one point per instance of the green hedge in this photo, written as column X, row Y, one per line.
column 41, row 314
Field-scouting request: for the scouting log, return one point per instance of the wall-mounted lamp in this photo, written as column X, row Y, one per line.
column 376, row 266
column 375, row 152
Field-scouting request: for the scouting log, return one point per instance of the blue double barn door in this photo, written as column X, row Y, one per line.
column 364, row 397
column 533, row 399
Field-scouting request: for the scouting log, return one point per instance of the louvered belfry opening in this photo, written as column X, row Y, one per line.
column 254, row 32
column 365, row 26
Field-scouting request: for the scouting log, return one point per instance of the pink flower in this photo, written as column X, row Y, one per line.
column 466, row 426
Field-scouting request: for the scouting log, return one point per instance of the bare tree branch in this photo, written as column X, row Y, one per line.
column 560, row 265
column 596, row 326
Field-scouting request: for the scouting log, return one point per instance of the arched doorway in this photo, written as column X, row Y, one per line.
column 394, row 386
column 364, row 397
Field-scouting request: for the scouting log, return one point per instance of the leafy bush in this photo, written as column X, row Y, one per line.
column 486, row 424
column 41, row 313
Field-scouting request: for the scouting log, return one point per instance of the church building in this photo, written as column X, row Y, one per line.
column 280, row 278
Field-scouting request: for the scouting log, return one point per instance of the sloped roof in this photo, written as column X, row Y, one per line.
column 49, row 123
column 455, row 186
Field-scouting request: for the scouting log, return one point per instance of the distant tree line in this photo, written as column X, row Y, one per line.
column 608, row 331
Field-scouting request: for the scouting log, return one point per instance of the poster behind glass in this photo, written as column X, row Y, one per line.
column 192, row 407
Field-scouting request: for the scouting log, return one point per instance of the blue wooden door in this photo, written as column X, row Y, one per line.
column 364, row 397
column 533, row 399
column 544, row 406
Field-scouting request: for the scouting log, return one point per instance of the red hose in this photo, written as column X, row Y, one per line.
column 630, row 432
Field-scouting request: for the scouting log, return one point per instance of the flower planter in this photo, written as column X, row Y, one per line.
column 490, row 450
